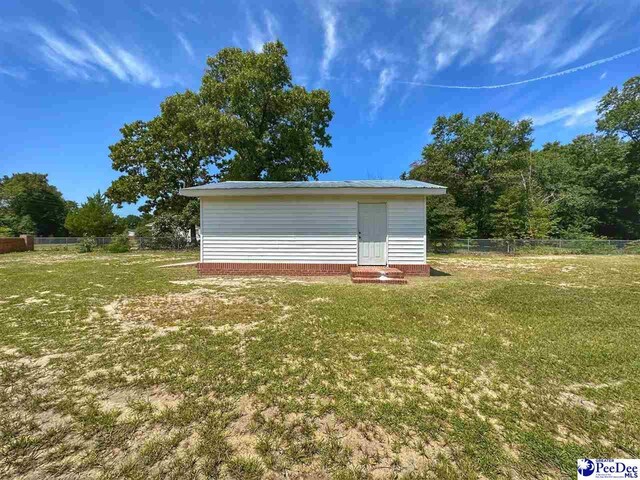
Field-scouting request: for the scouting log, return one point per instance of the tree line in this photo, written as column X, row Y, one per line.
column 249, row 121
column 499, row 186
column 29, row 204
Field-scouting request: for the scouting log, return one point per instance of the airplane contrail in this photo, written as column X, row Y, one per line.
column 528, row 80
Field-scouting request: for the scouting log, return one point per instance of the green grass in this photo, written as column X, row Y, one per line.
column 497, row 367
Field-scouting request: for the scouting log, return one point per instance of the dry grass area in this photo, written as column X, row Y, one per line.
column 496, row 367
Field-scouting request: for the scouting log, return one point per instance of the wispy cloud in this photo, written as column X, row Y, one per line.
column 186, row 45
column 580, row 113
column 13, row 72
column 392, row 6
column 79, row 55
column 581, row 47
column 461, row 33
column 266, row 31
column 67, row 5
column 499, row 33
column 369, row 59
column 385, row 80
column 527, row 46
column 331, row 43
column 385, row 62
column 147, row 8
column 192, row 17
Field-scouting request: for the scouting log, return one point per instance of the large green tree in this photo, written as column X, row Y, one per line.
column 607, row 171
column 574, row 207
column 474, row 159
column 161, row 156
column 29, row 204
column 267, row 127
column 248, row 121
column 94, row 218
column 524, row 210
column 619, row 111
column 619, row 115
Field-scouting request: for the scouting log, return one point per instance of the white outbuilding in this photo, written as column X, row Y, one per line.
column 313, row 227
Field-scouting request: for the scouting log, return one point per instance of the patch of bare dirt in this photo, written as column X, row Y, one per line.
column 489, row 264
column 243, row 282
column 320, row 300
column 122, row 399
column 380, row 452
column 575, row 400
column 595, row 386
column 219, row 311
column 144, row 258
column 181, row 264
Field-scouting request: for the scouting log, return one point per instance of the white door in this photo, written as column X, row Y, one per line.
column 372, row 234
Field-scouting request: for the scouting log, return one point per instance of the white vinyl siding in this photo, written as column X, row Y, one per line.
column 279, row 230
column 304, row 229
column 407, row 231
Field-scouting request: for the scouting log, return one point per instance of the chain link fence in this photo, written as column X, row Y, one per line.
column 44, row 242
column 452, row 245
column 537, row 246
column 168, row 242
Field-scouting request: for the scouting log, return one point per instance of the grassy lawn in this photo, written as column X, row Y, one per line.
column 498, row 367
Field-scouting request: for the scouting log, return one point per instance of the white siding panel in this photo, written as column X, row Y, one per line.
column 407, row 230
column 305, row 229
column 279, row 230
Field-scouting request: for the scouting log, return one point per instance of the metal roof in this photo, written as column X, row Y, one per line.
column 233, row 185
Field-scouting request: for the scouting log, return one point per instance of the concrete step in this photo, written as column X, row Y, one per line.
column 385, row 280
column 390, row 276
column 376, row 272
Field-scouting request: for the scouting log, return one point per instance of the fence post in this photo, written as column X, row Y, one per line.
column 468, row 244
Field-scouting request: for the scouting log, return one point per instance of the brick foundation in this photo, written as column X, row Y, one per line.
column 22, row 244
column 419, row 269
column 273, row 268
column 295, row 269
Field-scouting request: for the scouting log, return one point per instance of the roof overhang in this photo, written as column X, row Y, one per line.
column 311, row 191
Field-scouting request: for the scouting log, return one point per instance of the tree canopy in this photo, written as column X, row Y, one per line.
column 475, row 160
column 248, row 121
column 29, row 204
column 94, row 218
column 619, row 110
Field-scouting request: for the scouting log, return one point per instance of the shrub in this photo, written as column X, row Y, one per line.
column 632, row 247
column 164, row 241
column 581, row 246
column 542, row 250
column 119, row 243
column 594, row 247
column 442, row 245
column 87, row 244
column 167, row 231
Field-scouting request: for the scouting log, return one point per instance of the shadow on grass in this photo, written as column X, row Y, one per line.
column 439, row 273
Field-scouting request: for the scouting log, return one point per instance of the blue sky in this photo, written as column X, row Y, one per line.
column 72, row 72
